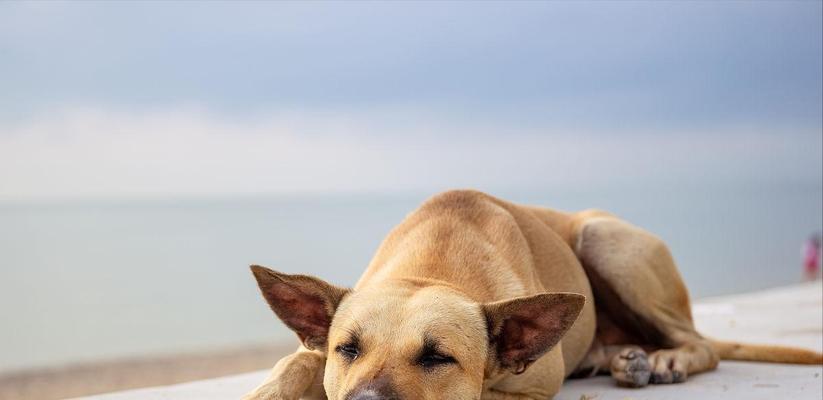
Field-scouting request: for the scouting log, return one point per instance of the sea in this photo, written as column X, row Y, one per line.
column 89, row 280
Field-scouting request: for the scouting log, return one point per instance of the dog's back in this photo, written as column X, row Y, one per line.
column 489, row 248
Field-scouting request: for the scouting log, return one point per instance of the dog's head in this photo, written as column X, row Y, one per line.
column 412, row 340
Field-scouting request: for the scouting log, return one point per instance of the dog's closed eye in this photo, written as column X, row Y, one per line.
column 349, row 351
column 432, row 355
column 431, row 359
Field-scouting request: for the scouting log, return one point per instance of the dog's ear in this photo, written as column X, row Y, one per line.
column 304, row 303
column 523, row 329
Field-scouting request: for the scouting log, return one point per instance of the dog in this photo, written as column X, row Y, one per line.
column 472, row 297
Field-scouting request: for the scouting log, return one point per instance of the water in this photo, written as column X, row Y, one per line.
column 82, row 281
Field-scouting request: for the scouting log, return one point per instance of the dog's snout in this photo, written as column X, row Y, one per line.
column 381, row 388
column 370, row 394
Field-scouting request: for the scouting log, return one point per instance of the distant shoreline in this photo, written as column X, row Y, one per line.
column 90, row 378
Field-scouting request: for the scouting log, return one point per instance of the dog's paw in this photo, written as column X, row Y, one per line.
column 270, row 394
column 667, row 367
column 631, row 367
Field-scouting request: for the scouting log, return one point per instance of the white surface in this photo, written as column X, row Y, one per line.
column 790, row 316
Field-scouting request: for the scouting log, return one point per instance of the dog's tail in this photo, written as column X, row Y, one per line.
column 765, row 353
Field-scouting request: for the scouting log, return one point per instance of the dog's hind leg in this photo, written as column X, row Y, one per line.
column 637, row 286
column 296, row 376
column 632, row 366
column 675, row 365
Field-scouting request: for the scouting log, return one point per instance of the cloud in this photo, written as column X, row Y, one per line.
column 639, row 63
column 179, row 151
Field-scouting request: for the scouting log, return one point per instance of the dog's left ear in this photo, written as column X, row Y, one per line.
column 304, row 303
column 523, row 329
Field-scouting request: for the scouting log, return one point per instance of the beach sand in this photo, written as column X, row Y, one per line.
column 109, row 376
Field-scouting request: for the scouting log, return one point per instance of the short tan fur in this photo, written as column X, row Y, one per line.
column 472, row 297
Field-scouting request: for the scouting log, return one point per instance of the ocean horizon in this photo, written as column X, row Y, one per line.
column 89, row 280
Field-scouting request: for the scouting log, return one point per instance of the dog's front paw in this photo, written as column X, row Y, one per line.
column 270, row 392
column 631, row 367
column 296, row 376
column 268, row 396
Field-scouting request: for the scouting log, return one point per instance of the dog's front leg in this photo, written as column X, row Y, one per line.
column 298, row 375
column 491, row 394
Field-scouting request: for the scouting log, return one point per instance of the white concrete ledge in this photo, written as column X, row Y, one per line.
column 789, row 316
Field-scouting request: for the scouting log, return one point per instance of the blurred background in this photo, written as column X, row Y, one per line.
column 151, row 151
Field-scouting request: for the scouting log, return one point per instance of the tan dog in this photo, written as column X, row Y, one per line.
column 472, row 297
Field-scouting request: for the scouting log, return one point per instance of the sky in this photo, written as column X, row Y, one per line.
column 157, row 99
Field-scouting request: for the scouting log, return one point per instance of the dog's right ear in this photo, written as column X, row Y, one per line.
column 304, row 303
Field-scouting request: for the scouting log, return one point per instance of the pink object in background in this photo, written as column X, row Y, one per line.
column 811, row 257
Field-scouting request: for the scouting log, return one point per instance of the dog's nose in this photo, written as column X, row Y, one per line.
column 370, row 394
column 379, row 388
column 367, row 396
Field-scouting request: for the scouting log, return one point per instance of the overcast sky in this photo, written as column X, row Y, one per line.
column 110, row 99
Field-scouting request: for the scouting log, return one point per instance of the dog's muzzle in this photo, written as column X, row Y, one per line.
column 370, row 395
column 378, row 389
